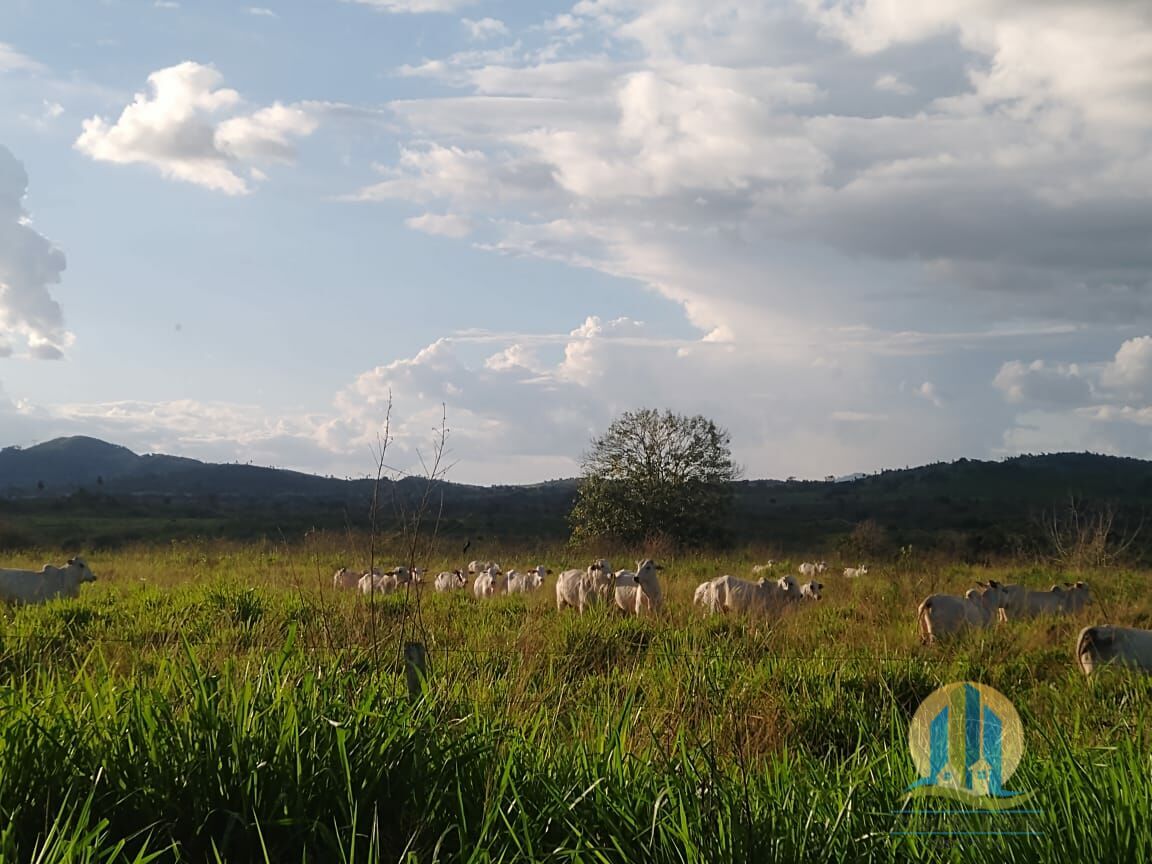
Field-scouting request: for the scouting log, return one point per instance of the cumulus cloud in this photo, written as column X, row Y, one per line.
column 29, row 266
column 736, row 188
column 1130, row 371
column 191, row 128
column 1042, row 384
column 1101, row 406
column 794, row 207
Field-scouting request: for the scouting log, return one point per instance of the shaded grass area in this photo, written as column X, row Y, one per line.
column 221, row 703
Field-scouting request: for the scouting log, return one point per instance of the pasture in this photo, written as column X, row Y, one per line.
column 207, row 701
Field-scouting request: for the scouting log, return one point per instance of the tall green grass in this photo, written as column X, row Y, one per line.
column 250, row 714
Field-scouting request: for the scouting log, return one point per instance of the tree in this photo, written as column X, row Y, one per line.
column 656, row 475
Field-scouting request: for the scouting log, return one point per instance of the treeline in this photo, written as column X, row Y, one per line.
column 970, row 510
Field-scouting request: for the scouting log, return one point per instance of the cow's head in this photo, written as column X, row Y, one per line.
column 78, row 564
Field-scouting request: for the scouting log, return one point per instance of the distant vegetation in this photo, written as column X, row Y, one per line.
column 79, row 492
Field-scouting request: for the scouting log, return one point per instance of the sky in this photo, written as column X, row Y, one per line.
column 858, row 234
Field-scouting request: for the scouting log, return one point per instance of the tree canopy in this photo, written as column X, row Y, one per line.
column 654, row 475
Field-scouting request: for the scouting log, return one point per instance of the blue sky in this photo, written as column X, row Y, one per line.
column 857, row 234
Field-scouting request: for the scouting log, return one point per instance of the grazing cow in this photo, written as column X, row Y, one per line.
column 490, row 582
column 346, row 579
column 377, row 583
column 941, row 615
column 810, row 591
column 524, row 583
column 583, row 588
column 763, row 568
column 475, row 568
column 392, row 580
column 1058, row 600
column 639, row 590
column 729, row 594
column 853, row 572
column 809, row 569
column 39, row 586
column 450, row 581
column 1121, row 646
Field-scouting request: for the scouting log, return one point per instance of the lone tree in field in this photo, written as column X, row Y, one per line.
column 656, row 475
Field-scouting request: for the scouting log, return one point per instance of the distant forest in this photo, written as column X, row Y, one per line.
column 82, row 493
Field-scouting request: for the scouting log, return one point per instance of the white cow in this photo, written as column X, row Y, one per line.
column 729, row 594
column 942, row 615
column 1122, row 646
column 490, row 582
column 809, row 569
column 639, row 590
column 525, row 583
column 581, row 589
column 763, row 568
column 853, row 572
column 39, row 586
column 475, row 568
column 346, row 579
column 810, row 591
column 1057, row 600
column 392, row 580
column 450, row 581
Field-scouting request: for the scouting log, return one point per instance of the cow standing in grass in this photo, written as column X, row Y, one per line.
column 40, row 586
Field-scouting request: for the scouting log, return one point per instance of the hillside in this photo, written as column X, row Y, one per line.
column 84, row 491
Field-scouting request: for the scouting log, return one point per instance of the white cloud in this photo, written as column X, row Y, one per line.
column 441, row 224
column 191, row 128
column 894, row 84
column 737, row 190
column 12, row 60
column 927, row 390
column 484, row 28
column 1130, row 372
column 1043, row 384
column 261, row 12
column 166, row 4
column 29, row 266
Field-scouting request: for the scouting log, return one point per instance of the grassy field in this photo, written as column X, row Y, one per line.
column 216, row 702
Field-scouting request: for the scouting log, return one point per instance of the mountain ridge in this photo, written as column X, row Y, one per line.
column 61, row 486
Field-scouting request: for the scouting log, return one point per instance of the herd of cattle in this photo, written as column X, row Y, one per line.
column 639, row 591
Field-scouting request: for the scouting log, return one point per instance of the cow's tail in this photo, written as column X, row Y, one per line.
column 923, row 619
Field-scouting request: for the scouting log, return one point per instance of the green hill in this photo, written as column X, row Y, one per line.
column 82, row 491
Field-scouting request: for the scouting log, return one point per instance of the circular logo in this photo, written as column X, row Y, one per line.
column 966, row 741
